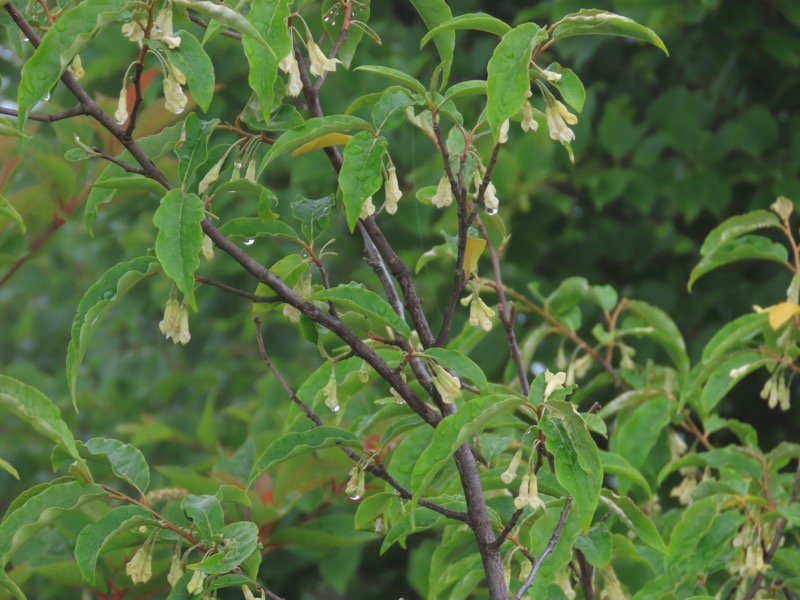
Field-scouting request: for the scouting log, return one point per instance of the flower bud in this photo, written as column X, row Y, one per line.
column 208, row 248
column 122, row 107
column 195, row 585
column 211, row 177
column 331, row 401
column 392, row 189
column 502, row 137
column 522, row 497
column 511, row 472
column 783, row 207
column 250, row 174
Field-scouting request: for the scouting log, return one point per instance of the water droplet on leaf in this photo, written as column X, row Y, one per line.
column 249, row 242
column 491, row 212
column 355, row 498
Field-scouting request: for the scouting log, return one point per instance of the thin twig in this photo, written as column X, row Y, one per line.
column 52, row 118
column 776, row 539
column 506, row 314
column 585, row 570
column 374, row 468
column 124, row 166
column 137, row 77
column 204, row 25
column 547, row 550
column 512, row 522
column 238, row 292
column 348, row 11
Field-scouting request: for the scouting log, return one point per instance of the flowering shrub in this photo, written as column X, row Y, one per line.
column 543, row 482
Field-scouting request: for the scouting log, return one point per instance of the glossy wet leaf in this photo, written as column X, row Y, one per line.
column 180, row 239
column 591, row 21
column 434, row 13
column 365, row 302
column 474, row 21
column 195, row 64
column 361, row 174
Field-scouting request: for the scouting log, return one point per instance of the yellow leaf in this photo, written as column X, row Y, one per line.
column 323, row 141
column 472, row 253
column 781, row 313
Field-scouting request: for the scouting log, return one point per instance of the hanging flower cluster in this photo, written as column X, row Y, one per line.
column 480, row 315
column 175, row 324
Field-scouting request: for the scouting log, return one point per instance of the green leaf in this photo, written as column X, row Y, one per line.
column 195, row 64
column 206, row 513
column 596, row 545
column 9, row 468
column 69, row 34
column 313, row 214
column 591, row 21
column 193, row 151
column 434, row 13
column 539, row 536
column 737, row 226
column 227, row 16
column 9, row 212
column 633, row 517
column 570, row 86
column 361, row 173
column 333, row 26
column 695, row 522
column 577, row 459
column 309, row 131
column 454, row 431
column 97, row 300
column 462, row 365
column 422, row 519
column 396, row 75
column 134, row 182
column 33, row 407
column 618, row 466
column 665, row 332
column 730, row 372
column 329, row 531
column 127, row 462
column 302, row 442
column 38, row 511
column 269, row 18
column 748, row 247
column 8, row 584
column 180, row 239
column 253, row 227
column 154, row 146
column 508, row 79
column 366, row 303
column 95, row 536
column 239, row 540
column 475, row 21
column 473, row 87
column 635, row 437
column 389, row 111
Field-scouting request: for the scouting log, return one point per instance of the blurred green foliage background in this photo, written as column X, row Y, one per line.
column 666, row 148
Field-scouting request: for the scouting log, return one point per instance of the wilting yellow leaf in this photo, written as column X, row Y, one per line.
column 323, row 141
column 781, row 313
column 472, row 253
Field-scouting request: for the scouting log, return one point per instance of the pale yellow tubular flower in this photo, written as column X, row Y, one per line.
column 250, row 174
column 319, row 62
column 612, row 589
column 490, row 200
column 553, row 382
column 140, row 567
column 533, row 493
column 528, row 122
column 196, row 583
column 211, row 177
column 170, row 324
column 503, row 134
column 331, row 401
column 551, row 76
column 122, row 107
column 511, row 472
column 367, row 209
column 683, row 491
column 522, row 497
column 183, row 331
column 248, row 595
column 444, row 195
column 448, row 386
column 162, row 27
column 480, row 315
column 289, row 66
column 76, row 67
column 133, row 31
column 175, row 567
column 392, row 190
column 558, row 121
column 175, row 99
column 208, row 248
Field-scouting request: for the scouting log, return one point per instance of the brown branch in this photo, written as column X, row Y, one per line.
column 137, row 77
column 512, row 522
column 547, row 550
column 52, row 118
column 236, row 291
column 231, row 34
column 506, row 314
column 374, row 468
column 348, row 11
column 124, row 166
column 585, row 571
column 776, row 539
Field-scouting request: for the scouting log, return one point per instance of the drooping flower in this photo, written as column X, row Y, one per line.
column 534, row 501
column 511, row 472
column 355, row 486
column 444, row 195
column 480, row 315
column 211, row 177
column 289, row 66
column 502, row 137
column 612, row 589
column 683, row 491
column 553, row 382
column 563, row 581
column 162, row 27
column 392, row 190
column 175, row 567
column 133, row 30
column 175, row 99
column 490, row 200
column 331, row 401
column 170, row 324
column 522, row 496
column 319, row 62
column 208, row 248
column 528, row 122
column 183, row 334
column 196, row 583
column 367, row 209
column 140, row 567
column 776, row 392
column 122, row 107
column 76, row 67
column 448, row 386
column 558, row 121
